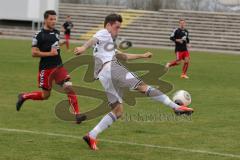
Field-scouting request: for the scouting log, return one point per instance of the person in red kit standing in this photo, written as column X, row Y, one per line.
column 181, row 38
column 45, row 45
column 67, row 27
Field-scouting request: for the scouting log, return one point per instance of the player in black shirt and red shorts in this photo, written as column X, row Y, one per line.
column 45, row 45
column 67, row 27
column 181, row 38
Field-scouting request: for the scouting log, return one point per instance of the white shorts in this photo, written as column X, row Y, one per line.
column 114, row 78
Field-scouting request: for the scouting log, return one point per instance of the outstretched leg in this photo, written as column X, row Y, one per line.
column 157, row 95
column 173, row 63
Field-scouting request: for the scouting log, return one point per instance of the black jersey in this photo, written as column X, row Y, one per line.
column 68, row 25
column 180, row 34
column 45, row 40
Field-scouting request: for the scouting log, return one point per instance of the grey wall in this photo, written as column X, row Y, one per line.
column 28, row 10
column 11, row 9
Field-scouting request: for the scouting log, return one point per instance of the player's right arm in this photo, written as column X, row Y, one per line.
column 188, row 40
column 36, row 41
column 83, row 48
column 99, row 37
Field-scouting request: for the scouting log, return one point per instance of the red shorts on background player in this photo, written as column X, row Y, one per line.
column 181, row 38
column 45, row 45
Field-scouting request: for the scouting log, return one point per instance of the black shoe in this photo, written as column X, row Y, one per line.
column 80, row 118
column 20, row 102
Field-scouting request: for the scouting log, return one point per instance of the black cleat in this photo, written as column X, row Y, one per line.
column 80, row 118
column 20, row 102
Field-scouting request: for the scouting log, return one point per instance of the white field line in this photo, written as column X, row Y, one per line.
column 125, row 143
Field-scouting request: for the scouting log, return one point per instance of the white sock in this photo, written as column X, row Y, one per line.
column 105, row 123
column 160, row 97
column 166, row 101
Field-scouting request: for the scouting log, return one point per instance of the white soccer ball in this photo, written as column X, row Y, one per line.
column 182, row 97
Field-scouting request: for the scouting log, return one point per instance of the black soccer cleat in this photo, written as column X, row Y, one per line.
column 20, row 102
column 80, row 118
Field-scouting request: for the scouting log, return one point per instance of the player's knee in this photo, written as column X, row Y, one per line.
column 117, row 110
column 119, row 113
column 67, row 85
column 142, row 87
column 178, row 62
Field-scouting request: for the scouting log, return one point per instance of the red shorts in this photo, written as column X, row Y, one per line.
column 47, row 76
column 67, row 36
column 182, row 55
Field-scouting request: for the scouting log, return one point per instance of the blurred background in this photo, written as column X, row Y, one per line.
column 199, row 5
column 213, row 24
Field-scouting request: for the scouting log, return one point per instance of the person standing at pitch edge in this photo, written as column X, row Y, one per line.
column 181, row 38
column 45, row 45
column 67, row 27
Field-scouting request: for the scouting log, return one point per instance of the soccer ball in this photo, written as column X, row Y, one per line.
column 182, row 97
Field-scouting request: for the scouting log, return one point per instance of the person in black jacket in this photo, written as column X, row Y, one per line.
column 181, row 38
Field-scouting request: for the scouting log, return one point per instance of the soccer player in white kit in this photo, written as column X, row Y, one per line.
column 114, row 76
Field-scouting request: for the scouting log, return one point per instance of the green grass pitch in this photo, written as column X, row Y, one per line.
column 212, row 133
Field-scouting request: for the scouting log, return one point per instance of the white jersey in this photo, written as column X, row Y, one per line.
column 113, row 75
column 104, row 50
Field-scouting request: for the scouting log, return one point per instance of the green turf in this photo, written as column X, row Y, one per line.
column 213, row 84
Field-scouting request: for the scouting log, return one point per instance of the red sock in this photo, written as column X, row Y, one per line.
column 67, row 44
column 72, row 98
column 174, row 63
column 37, row 95
column 185, row 68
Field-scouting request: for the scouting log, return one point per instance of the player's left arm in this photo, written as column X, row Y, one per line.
column 188, row 40
column 63, row 28
column 126, row 56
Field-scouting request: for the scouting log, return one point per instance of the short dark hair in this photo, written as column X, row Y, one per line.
column 181, row 19
column 112, row 18
column 49, row 12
